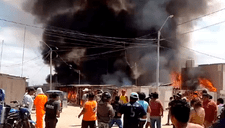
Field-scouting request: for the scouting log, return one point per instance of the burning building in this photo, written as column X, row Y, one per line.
column 114, row 41
column 210, row 77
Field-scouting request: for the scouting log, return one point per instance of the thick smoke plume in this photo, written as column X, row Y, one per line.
column 80, row 30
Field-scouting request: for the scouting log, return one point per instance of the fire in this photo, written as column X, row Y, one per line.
column 207, row 84
column 72, row 96
column 176, row 79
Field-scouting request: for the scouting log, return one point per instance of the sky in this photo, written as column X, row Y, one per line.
column 209, row 41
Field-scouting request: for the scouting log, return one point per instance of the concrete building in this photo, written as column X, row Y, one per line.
column 215, row 73
column 14, row 87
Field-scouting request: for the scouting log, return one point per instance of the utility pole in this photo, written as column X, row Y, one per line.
column 1, row 55
column 50, row 64
column 79, row 76
column 136, row 81
column 158, row 52
column 23, row 49
column 51, row 69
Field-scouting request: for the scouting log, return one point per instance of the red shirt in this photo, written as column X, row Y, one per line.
column 156, row 107
column 210, row 110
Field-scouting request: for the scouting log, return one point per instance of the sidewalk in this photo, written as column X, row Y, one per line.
column 69, row 118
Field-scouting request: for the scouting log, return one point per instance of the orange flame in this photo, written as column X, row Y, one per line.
column 72, row 95
column 176, row 79
column 207, row 84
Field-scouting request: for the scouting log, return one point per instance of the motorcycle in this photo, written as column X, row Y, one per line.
column 18, row 118
column 14, row 117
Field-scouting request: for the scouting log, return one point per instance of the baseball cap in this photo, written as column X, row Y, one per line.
column 134, row 95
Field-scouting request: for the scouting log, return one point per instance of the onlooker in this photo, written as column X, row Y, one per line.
column 221, row 122
column 220, row 106
column 52, row 108
column 115, row 93
column 28, row 100
column 169, row 105
column 156, row 111
column 116, row 119
column 180, row 112
column 210, row 110
column 98, row 95
column 132, row 112
column 197, row 115
column 123, row 97
column 146, row 107
column 39, row 102
column 89, row 111
column 84, row 97
column 105, row 111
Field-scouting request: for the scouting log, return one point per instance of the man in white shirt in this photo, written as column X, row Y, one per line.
column 85, row 96
column 220, row 106
column 28, row 100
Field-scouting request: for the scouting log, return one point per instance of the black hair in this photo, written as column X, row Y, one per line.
column 91, row 96
column 180, row 109
column 53, row 95
column 171, row 98
column 204, row 91
column 210, row 97
column 30, row 89
column 117, row 98
column 141, row 95
column 155, row 95
column 220, row 100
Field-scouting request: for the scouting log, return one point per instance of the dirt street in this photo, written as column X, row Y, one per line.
column 69, row 118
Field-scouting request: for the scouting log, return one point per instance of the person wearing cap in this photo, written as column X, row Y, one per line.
column 39, row 102
column 210, row 110
column 84, row 97
column 156, row 110
column 132, row 111
column 105, row 111
column 123, row 97
column 28, row 100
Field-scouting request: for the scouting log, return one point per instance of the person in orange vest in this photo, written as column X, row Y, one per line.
column 39, row 102
column 123, row 97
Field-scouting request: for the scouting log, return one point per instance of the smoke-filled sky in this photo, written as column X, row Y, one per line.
column 209, row 41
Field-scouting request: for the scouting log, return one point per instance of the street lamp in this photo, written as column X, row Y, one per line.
column 158, row 49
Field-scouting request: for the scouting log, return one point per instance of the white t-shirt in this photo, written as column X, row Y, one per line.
column 220, row 107
column 28, row 99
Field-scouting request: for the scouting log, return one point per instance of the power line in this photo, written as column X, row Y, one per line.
column 66, row 31
column 198, row 51
column 18, row 64
column 201, row 16
column 195, row 30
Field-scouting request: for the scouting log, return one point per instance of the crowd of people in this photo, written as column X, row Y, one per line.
column 48, row 106
column 138, row 111
column 105, row 110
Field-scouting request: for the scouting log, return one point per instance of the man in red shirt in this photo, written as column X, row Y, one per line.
column 210, row 110
column 156, row 111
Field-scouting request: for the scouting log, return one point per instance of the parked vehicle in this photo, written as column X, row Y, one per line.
column 61, row 95
column 14, row 117
column 18, row 117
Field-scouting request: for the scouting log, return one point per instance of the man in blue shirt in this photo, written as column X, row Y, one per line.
column 146, row 107
column 132, row 112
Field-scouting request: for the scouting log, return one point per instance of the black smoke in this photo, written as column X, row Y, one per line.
column 78, row 32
